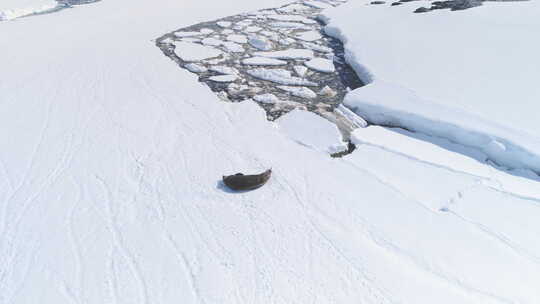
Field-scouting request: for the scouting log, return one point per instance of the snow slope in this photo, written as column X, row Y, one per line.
column 110, row 166
column 469, row 76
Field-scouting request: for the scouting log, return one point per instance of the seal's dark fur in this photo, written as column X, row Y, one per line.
column 240, row 181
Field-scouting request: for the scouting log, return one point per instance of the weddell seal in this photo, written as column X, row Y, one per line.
column 240, row 181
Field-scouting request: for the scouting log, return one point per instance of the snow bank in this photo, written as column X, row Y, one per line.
column 11, row 9
column 469, row 76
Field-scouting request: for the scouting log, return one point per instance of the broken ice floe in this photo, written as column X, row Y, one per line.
column 278, row 58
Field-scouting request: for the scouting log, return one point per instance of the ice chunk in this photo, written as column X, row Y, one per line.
column 328, row 92
column 286, row 41
column 300, row 70
column 263, row 61
column 237, row 38
column 253, row 29
column 211, row 41
column 321, row 65
column 260, row 43
column 266, row 98
column 233, row 47
column 272, row 35
column 188, row 51
column 292, row 18
column 302, row 92
column 279, row 76
column 195, row 68
column 309, row 36
column 206, row 31
column 312, row 130
column 227, row 32
column 224, row 78
column 224, row 23
column 317, row 47
column 289, row 25
column 354, row 120
column 287, row 54
column 224, row 70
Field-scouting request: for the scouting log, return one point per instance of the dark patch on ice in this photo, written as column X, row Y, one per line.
column 453, row 5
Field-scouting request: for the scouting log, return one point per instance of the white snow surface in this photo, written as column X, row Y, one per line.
column 110, row 166
column 11, row 9
column 433, row 74
column 311, row 130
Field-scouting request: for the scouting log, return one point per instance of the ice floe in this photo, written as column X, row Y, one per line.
column 287, row 54
column 328, row 92
column 317, row 47
column 321, row 65
column 237, row 38
column 224, row 23
column 253, row 29
column 264, row 61
column 233, row 47
column 260, row 43
column 302, row 92
column 266, row 98
column 223, row 70
column 224, row 78
column 309, row 36
column 289, row 25
column 279, row 76
column 292, row 18
column 188, row 51
column 211, row 41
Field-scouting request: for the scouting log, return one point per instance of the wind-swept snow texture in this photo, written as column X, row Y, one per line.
column 469, row 76
column 110, row 165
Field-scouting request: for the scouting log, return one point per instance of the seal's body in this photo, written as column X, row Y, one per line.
column 240, row 181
